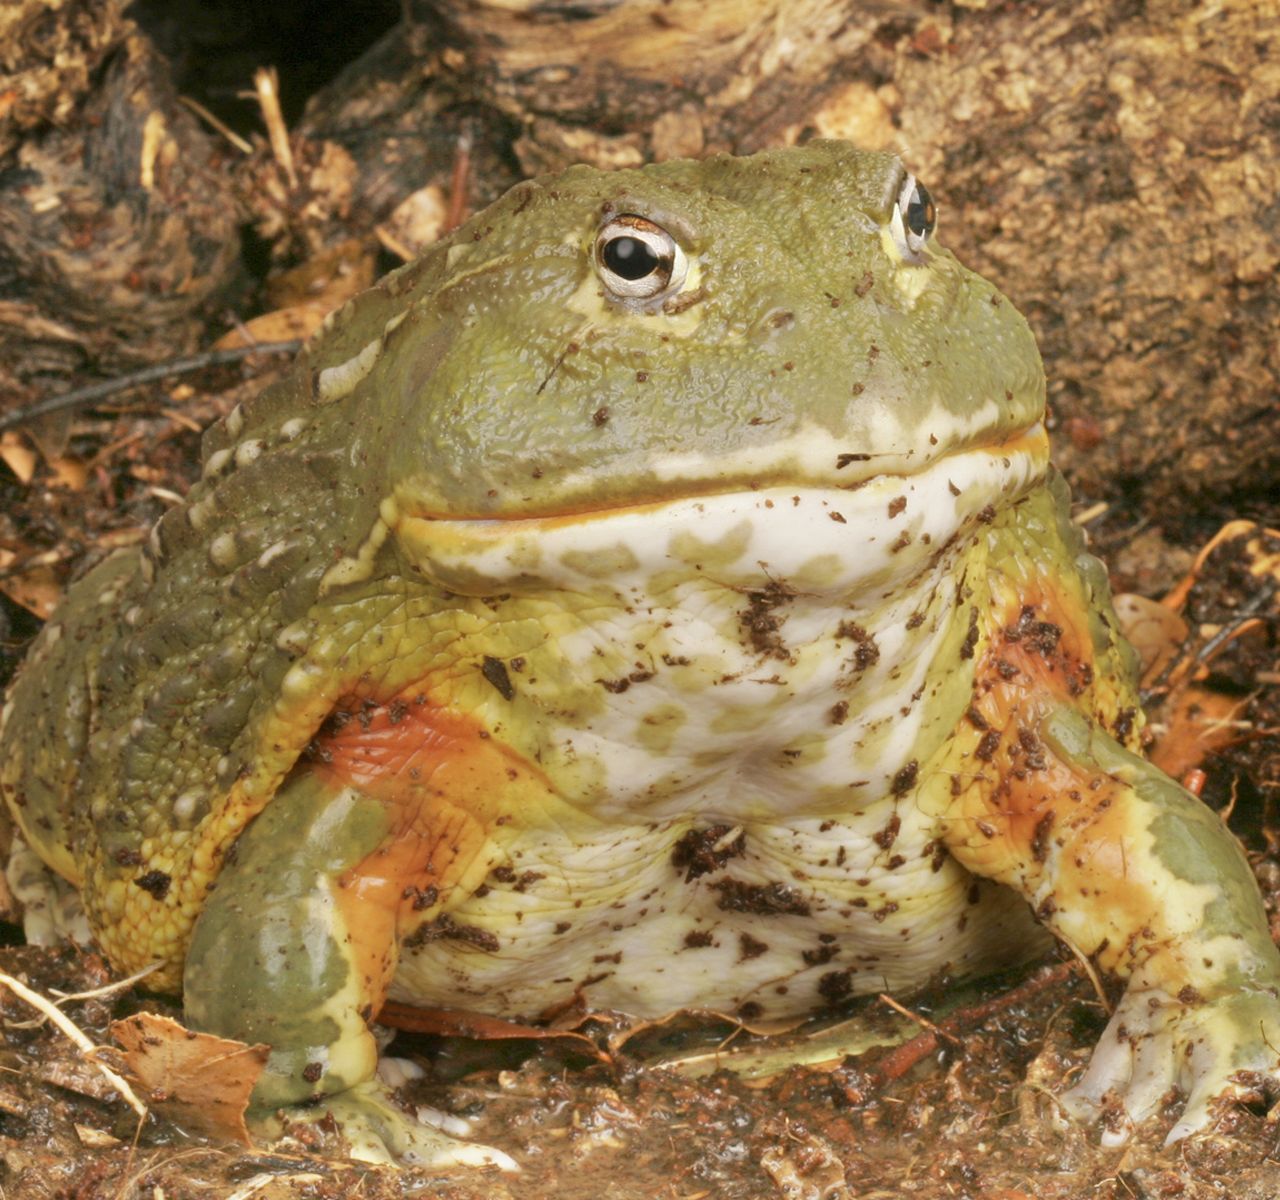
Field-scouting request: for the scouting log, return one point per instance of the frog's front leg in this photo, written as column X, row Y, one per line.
column 1136, row 873
column 295, row 948
column 1131, row 870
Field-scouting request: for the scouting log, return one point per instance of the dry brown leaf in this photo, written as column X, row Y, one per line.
column 307, row 294
column 65, row 1068
column 298, row 321
column 95, row 1139
column 452, row 1022
column 705, row 1016
column 1196, row 723
column 69, row 473
column 1155, row 631
column 18, row 456
column 1198, row 720
column 35, row 588
column 331, row 277
column 1254, row 537
column 417, row 221
column 200, row 1081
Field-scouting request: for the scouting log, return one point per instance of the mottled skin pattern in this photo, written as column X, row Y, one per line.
column 727, row 646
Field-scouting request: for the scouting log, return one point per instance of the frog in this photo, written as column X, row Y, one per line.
column 656, row 596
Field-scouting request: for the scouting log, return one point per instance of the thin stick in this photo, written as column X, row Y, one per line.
column 902, row 1058
column 227, row 132
column 71, row 1031
column 109, row 989
column 458, row 188
column 80, row 397
column 919, row 1019
column 267, row 86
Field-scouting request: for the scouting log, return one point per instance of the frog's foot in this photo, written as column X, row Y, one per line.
column 51, row 906
column 378, row 1130
column 1227, row 1048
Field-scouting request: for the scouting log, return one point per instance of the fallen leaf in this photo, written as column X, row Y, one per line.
column 416, row 222
column 1196, row 723
column 1197, row 716
column 691, row 1021
column 18, row 457
column 330, row 277
column 67, row 1069
column 69, row 473
column 34, row 587
column 1154, row 630
column 200, row 1081
column 95, row 1139
column 451, row 1022
column 281, row 325
column 1258, row 544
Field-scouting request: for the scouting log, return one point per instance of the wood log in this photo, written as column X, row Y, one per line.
column 118, row 228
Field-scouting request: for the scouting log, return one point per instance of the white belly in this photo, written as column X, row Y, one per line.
column 753, row 675
column 798, row 917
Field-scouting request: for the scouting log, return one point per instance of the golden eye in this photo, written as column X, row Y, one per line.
column 638, row 260
column 914, row 218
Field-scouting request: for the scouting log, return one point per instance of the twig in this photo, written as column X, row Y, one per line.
column 919, row 1019
column 1177, row 668
column 393, row 245
column 108, row 989
column 458, row 189
column 80, row 397
column 1092, row 513
column 1086, row 963
column 267, row 86
column 73, row 1033
column 902, row 1058
column 227, row 132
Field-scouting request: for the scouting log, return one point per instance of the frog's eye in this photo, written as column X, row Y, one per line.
column 914, row 218
column 638, row 260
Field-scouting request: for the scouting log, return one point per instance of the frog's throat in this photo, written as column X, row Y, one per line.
column 819, row 540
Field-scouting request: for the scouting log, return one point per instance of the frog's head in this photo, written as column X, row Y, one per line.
column 740, row 335
column 603, row 339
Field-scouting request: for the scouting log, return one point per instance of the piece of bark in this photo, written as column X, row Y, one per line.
column 535, row 85
column 117, row 224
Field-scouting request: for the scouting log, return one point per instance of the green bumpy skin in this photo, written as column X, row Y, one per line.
column 713, row 633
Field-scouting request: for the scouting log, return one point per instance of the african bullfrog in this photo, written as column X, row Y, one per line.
column 657, row 595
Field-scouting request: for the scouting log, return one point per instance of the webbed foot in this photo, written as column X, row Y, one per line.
column 51, row 907
column 378, row 1130
column 1224, row 1048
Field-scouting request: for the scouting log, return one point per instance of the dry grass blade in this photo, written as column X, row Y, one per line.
column 73, row 1032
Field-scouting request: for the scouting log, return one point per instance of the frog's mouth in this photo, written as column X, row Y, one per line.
column 817, row 538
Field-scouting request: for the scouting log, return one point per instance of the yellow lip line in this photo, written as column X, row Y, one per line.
column 1032, row 441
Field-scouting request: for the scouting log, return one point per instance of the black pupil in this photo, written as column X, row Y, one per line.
column 629, row 257
column 920, row 215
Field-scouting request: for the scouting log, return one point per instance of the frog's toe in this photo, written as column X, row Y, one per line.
column 1224, row 1049
column 378, row 1130
column 1124, row 1083
column 51, row 907
column 1223, row 1084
